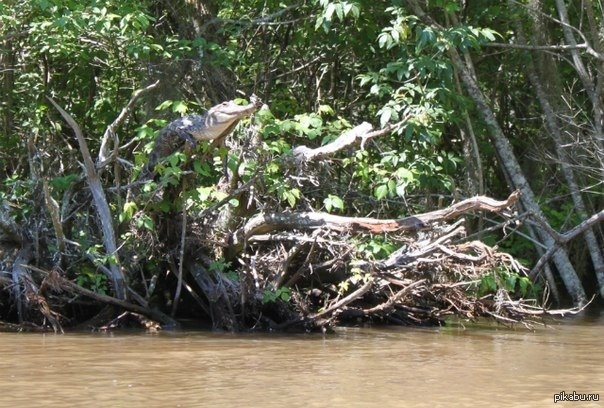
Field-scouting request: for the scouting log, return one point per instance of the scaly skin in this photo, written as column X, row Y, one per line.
column 215, row 125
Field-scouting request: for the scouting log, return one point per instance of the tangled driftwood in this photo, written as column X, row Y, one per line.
column 420, row 283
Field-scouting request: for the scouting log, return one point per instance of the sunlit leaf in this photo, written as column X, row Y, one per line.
column 381, row 191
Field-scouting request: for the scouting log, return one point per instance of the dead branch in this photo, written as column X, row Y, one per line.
column 54, row 210
column 111, row 131
column 361, row 133
column 405, row 257
column 346, row 139
column 393, row 299
column 100, row 202
column 562, row 239
column 65, row 284
column 266, row 223
column 345, row 301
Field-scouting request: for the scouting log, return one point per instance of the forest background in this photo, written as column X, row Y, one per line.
column 478, row 98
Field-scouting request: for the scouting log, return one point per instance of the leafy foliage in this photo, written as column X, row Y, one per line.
column 509, row 281
column 283, row 294
column 93, row 280
column 322, row 66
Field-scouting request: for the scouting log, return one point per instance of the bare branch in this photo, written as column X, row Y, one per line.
column 562, row 47
column 110, row 132
column 100, row 202
column 360, row 133
column 393, row 299
column 265, row 223
column 343, row 302
column 70, row 286
column 562, row 239
column 346, row 139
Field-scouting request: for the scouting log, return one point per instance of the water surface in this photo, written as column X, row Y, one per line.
column 376, row 367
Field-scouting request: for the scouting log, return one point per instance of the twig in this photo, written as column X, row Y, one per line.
column 110, row 132
column 393, row 299
column 181, row 261
column 343, row 302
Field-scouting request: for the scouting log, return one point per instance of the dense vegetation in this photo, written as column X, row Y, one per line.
column 469, row 99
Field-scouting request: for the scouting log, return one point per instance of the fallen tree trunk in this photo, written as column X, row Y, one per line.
column 266, row 223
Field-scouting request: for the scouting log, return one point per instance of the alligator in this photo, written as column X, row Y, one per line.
column 215, row 125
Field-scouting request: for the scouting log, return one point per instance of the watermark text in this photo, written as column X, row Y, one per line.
column 575, row 396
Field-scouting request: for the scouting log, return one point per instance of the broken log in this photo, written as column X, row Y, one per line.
column 273, row 222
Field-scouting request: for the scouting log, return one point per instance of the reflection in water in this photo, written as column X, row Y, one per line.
column 353, row 368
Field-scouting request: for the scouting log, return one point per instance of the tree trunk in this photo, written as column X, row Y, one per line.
column 510, row 165
column 554, row 127
column 512, row 168
column 114, row 271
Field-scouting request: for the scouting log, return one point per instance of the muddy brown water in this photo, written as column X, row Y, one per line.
column 356, row 367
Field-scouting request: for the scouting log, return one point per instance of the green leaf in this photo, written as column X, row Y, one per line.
column 180, row 107
column 488, row 284
column 391, row 186
column 333, row 201
column 386, row 114
column 381, row 191
column 325, row 109
column 62, row 183
column 340, row 11
column 291, row 196
column 284, row 294
column 343, row 287
column 510, row 281
column 146, row 222
column 128, row 211
column 384, row 40
column 164, row 105
column 488, row 34
column 204, row 193
column 525, row 285
column 329, row 10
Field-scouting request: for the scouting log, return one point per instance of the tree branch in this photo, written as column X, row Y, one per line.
column 100, row 202
column 70, row 286
column 563, row 47
column 562, row 239
column 360, row 133
column 343, row 302
column 264, row 223
column 110, row 132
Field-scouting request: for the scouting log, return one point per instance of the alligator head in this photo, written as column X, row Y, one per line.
column 221, row 119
